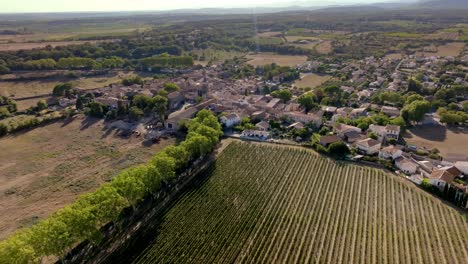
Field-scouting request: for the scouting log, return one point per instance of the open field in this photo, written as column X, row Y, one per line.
column 264, row 58
column 451, row 49
column 19, row 89
column 269, row 34
column 48, row 167
column 271, row 204
column 452, row 143
column 311, row 80
column 324, row 47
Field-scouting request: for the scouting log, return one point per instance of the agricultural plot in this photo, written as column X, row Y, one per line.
column 265, row 58
column 311, row 80
column 270, row 204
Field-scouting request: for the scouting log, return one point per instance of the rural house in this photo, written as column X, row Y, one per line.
column 368, row 146
column 440, row 177
column 328, row 140
column 406, row 165
column 390, row 152
column 263, row 126
column 230, row 120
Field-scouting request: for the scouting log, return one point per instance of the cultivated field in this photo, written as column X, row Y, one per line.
column 452, row 143
column 261, row 59
column 311, row 80
column 270, row 204
column 48, row 167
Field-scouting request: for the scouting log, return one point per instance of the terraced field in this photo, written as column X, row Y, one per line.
column 270, row 204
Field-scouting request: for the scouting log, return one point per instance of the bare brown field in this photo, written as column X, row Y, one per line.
column 450, row 49
column 34, row 88
column 269, row 34
column 393, row 56
column 35, row 45
column 48, row 167
column 452, row 143
column 311, row 80
column 261, row 59
column 324, row 47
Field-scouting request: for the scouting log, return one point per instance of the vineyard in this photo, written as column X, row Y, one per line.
column 270, row 204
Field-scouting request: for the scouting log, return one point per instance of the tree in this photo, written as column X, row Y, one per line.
column 413, row 97
column 41, row 105
column 307, row 101
column 283, row 94
column 62, row 89
column 129, row 186
column 96, row 109
column 197, row 145
column 179, row 154
column 79, row 103
column 160, row 106
column 4, row 112
column 51, row 237
column 338, row 149
column 3, row 129
column 165, row 164
column 414, row 86
column 416, row 110
column 135, row 113
column 373, row 135
column 171, row 87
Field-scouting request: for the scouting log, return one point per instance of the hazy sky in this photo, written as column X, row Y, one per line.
column 7, row 6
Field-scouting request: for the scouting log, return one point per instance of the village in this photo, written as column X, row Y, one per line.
column 249, row 114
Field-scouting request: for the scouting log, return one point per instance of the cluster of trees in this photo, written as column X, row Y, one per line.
column 83, row 219
column 449, row 193
column 337, row 150
column 132, row 80
column 18, row 124
column 285, row 73
column 143, row 104
column 308, row 101
column 63, row 89
column 7, row 106
column 451, row 117
column 283, row 94
column 376, row 119
column 165, row 61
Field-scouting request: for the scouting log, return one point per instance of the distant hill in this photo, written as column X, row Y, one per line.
column 444, row 4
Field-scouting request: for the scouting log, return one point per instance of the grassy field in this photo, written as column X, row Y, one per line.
column 48, row 167
column 264, row 58
column 271, row 204
column 311, row 80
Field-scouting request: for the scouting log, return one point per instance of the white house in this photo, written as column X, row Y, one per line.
column 385, row 132
column 406, row 165
column 440, row 177
column 368, row 146
column 390, row 152
column 255, row 135
column 230, row 120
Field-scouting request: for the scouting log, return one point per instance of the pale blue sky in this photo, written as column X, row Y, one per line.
column 7, row 6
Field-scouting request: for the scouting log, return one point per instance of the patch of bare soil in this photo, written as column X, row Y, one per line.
column 46, row 168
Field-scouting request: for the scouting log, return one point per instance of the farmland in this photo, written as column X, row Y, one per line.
column 311, row 80
column 304, row 209
column 43, row 169
column 261, row 59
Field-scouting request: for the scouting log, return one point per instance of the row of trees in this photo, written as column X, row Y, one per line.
column 83, row 219
column 7, row 107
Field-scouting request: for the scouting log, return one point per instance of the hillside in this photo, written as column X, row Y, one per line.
column 273, row 204
column 445, row 4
